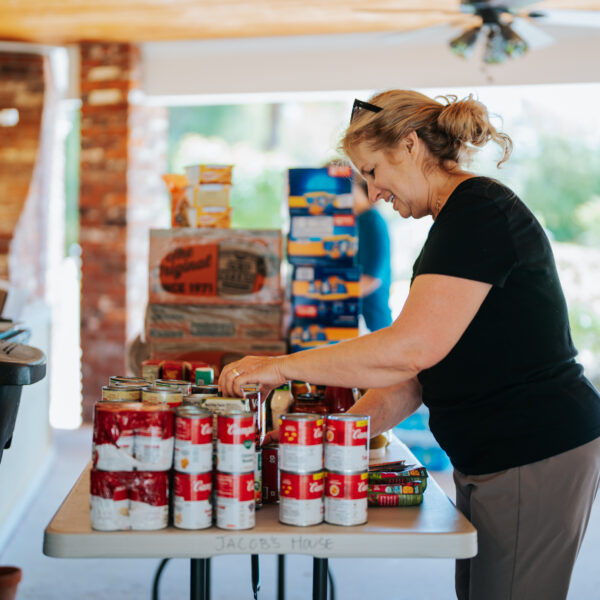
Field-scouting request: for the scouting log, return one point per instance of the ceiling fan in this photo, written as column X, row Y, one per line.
column 505, row 27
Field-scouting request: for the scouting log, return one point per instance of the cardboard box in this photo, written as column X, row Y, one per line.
column 313, row 335
column 326, row 295
column 323, row 191
column 323, row 240
column 194, row 322
column 209, row 174
column 214, row 266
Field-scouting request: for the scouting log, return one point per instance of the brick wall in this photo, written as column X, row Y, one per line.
column 121, row 151
column 22, row 87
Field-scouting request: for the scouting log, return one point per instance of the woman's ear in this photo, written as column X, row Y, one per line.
column 410, row 141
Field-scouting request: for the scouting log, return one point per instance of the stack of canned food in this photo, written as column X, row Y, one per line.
column 142, row 429
column 308, row 494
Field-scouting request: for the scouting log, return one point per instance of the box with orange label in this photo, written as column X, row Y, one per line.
column 314, row 335
column 320, row 191
column 326, row 295
column 215, row 266
column 326, row 240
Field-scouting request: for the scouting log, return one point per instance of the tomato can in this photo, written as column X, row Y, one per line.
column 347, row 443
column 236, row 449
column 113, row 442
column 235, row 500
column 270, row 474
column 173, row 369
column 149, row 500
column 301, row 498
column 162, row 395
column 346, row 498
column 118, row 393
column 154, row 440
column 180, row 385
column 192, row 507
column 300, row 443
column 109, row 501
column 193, row 440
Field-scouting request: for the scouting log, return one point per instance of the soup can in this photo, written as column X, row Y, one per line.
column 192, row 507
column 301, row 498
column 346, row 498
column 117, row 393
column 193, row 440
column 162, row 395
column 347, row 443
column 149, row 500
column 181, row 385
column 301, row 443
column 236, row 449
column 235, row 500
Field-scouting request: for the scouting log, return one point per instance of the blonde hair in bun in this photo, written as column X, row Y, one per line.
column 452, row 129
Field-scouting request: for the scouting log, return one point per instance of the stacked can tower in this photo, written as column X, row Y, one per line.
column 132, row 453
column 347, row 465
column 193, row 462
column 301, row 477
column 235, row 475
column 322, row 246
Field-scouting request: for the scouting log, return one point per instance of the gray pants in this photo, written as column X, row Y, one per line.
column 530, row 523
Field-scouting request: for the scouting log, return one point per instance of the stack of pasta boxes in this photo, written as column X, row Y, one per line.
column 322, row 247
column 142, row 430
column 214, row 293
column 309, row 494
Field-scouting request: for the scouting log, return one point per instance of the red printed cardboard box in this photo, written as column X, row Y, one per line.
column 215, row 266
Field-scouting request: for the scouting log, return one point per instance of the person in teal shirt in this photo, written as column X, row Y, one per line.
column 373, row 259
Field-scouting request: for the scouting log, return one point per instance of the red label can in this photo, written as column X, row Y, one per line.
column 346, row 498
column 109, row 500
column 347, row 443
column 193, row 440
column 270, row 474
column 301, row 442
column 301, row 498
column 172, row 369
column 235, row 442
column 192, row 508
column 235, row 500
column 149, row 500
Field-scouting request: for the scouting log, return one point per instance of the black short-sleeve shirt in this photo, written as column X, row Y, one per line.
column 510, row 392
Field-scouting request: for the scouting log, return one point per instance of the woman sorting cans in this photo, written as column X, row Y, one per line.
column 483, row 340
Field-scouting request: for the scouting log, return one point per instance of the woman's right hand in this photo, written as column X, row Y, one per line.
column 272, row 437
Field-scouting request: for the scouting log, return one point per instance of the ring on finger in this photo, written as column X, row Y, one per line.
column 235, row 372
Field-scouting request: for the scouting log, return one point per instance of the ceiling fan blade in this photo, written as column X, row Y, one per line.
column 567, row 18
column 536, row 38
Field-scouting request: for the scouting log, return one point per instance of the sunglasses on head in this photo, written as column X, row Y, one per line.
column 360, row 105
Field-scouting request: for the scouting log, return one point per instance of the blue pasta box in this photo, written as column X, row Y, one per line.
column 326, row 295
column 320, row 191
column 326, row 240
column 304, row 336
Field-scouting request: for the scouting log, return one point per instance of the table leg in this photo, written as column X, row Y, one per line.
column 319, row 579
column 198, row 579
column 207, row 582
column 281, row 577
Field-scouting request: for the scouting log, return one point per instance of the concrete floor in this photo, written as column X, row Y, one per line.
column 47, row 578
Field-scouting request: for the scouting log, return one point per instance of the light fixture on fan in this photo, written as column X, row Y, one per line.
column 502, row 41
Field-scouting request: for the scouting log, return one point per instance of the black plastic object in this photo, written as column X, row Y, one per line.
column 19, row 365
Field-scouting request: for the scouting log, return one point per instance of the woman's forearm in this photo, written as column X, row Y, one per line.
column 389, row 406
column 379, row 359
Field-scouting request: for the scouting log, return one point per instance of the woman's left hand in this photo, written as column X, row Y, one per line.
column 264, row 370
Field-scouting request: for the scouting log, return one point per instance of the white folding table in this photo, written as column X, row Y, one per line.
column 434, row 529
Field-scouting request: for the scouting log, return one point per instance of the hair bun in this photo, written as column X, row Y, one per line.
column 466, row 120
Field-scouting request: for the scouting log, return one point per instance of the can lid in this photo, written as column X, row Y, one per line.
column 347, row 417
column 161, row 390
column 236, row 413
column 191, row 410
column 170, row 382
column 300, row 417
